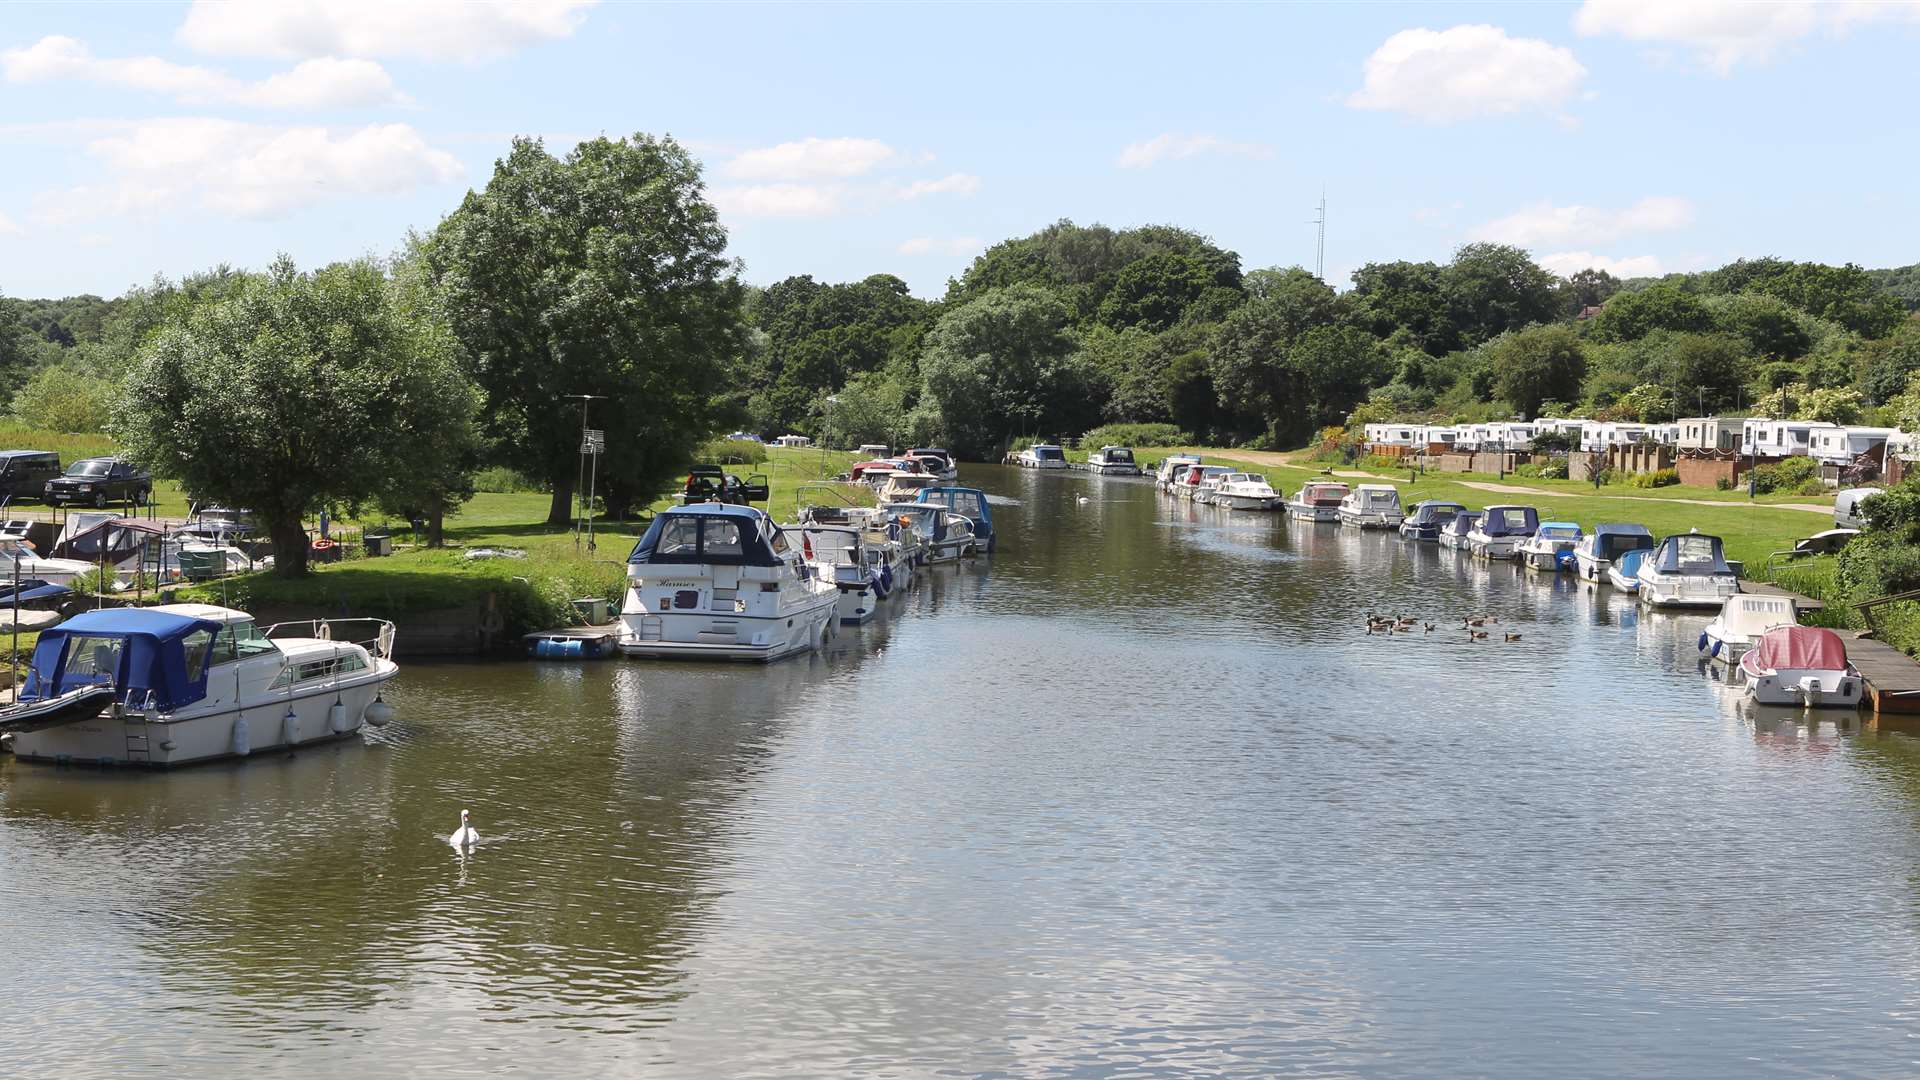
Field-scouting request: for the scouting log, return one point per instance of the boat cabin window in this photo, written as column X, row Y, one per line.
column 1696, row 553
column 1514, row 519
column 93, row 659
column 344, row 664
column 239, row 640
column 195, row 646
column 722, row 537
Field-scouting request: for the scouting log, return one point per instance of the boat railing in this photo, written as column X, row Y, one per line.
column 834, row 490
column 380, row 644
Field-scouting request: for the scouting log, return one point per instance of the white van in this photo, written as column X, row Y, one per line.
column 1846, row 507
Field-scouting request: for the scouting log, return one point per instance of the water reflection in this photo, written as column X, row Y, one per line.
column 1136, row 794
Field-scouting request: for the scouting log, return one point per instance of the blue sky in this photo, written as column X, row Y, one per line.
column 844, row 140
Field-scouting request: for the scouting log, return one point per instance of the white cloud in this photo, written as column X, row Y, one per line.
column 811, row 159
column 1727, row 33
column 1171, row 147
column 777, row 200
column 314, row 84
column 466, row 30
column 248, row 170
column 1446, row 75
column 1567, row 263
column 1546, row 224
column 952, row 245
column 951, row 184
column 7, row 225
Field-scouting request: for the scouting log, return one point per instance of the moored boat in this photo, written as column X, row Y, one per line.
column 1501, row 530
column 1170, row 469
column 186, row 683
column 1041, row 456
column 18, row 559
column 969, row 503
column 1550, row 548
column 1427, row 518
column 1801, row 665
column 864, row 572
column 1455, row 532
column 1372, row 506
column 1598, row 550
column 1743, row 619
column 1687, row 570
column 1113, row 461
column 945, row 535
column 1623, row 573
column 1245, row 491
column 712, row 581
column 934, row 461
column 1317, row 500
column 1194, row 478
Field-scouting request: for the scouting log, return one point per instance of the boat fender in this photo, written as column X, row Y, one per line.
column 337, row 717
column 1703, row 641
column 241, row 746
column 379, row 713
column 1716, row 647
column 886, row 580
column 290, row 727
column 326, row 631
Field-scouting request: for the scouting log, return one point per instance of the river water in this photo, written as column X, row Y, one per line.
column 1136, row 796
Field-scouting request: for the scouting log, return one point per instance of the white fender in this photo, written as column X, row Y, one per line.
column 242, row 746
column 290, row 727
column 337, row 718
column 379, row 713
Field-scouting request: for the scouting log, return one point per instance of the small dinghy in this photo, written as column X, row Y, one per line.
column 83, row 703
column 1801, row 665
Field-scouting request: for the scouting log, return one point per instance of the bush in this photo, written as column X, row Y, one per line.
column 1381, row 461
column 1878, row 566
column 1659, row 479
column 730, row 452
column 1334, row 446
column 501, row 480
column 1136, row 435
column 1722, row 484
column 1530, row 471
column 1554, row 469
column 1787, row 474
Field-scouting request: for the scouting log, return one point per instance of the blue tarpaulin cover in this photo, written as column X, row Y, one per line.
column 142, row 651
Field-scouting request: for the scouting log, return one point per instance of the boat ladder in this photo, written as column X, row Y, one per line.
column 652, row 628
column 139, row 745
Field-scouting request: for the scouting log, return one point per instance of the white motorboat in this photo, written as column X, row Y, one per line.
column 713, row 581
column 1598, row 550
column 1318, row 500
column 1550, row 548
column 1743, row 618
column 934, row 461
column 1372, row 506
column 1624, row 572
column 1687, row 570
column 1171, row 467
column 863, row 564
column 905, row 487
column 1246, row 491
column 1194, row 478
column 1801, row 665
column 18, row 559
column 1501, row 530
column 946, row 536
column 185, row 683
column 1041, row 456
column 1113, row 461
column 1455, row 532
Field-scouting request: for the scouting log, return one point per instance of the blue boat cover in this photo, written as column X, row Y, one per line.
column 1559, row 530
column 1630, row 562
column 1431, row 511
column 32, row 590
column 1509, row 521
column 969, row 503
column 136, row 650
column 1611, row 542
column 1691, row 553
column 716, row 533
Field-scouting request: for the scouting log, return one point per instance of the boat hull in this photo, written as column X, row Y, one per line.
column 1803, row 688
column 1309, row 512
column 755, row 640
column 1370, row 519
column 1105, row 469
column 1685, row 594
column 1494, row 547
column 1587, row 568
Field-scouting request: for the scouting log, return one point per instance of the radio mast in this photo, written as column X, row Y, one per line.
column 1320, row 247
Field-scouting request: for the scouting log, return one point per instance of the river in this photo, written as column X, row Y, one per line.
column 1135, row 796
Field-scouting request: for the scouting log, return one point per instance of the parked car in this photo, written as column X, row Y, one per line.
column 1846, row 506
column 711, row 483
column 24, row 473
column 99, row 482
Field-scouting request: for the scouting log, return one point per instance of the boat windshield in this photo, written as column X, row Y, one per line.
column 1118, row 457
column 1049, row 453
column 237, row 641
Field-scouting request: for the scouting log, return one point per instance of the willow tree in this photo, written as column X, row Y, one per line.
column 602, row 273
column 294, row 393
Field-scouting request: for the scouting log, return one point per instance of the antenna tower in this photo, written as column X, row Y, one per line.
column 1320, row 247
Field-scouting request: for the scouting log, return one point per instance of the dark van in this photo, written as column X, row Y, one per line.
column 24, row 473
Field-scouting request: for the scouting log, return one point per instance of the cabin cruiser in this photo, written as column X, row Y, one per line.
column 946, row 535
column 863, row 565
column 1687, row 570
column 1624, row 572
column 1317, row 500
column 1246, row 491
column 905, row 487
column 1801, row 665
column 1600, row 549
column 969, row 503
column 1372, row 506
column 1501, row 530
column 1454, row 533
column 1113, row 461
column 934, row 461
column 1041, row 456
column 184, row 683
column 1428, row 518
column 1194, row 478
column 1550, row 548
column 17, row 559
column 1743, row 618
column 721, row 582
column 874, row 450
column 1171, row 468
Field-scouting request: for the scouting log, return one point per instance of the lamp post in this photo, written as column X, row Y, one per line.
column 580, row 484
column 827, row 430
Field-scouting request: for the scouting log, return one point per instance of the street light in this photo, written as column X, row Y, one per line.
column 832, row 399
column 591, row 444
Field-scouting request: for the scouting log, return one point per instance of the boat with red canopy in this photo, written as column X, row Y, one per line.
column 1801, row 665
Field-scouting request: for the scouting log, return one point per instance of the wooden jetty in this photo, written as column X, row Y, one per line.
column 1892, row 677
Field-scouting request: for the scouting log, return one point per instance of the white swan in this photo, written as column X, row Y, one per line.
column 467, row 836
column 1084, row 500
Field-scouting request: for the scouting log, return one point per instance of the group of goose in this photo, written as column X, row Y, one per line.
column 1406, row 624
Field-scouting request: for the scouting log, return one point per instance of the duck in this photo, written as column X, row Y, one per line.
column 467, row 836
column 1474, row 621
column 1476, row 635
column 1429, row 628
column 1510, row 637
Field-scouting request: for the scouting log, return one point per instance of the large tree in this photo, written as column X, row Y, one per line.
column 296, row 392
column 1494, row 288
column 1405, row 297
column 1540, row 363
column 1006, row 365
column 1253, row 371
column 601, row 273
column 1632, row 316
column 814, row 337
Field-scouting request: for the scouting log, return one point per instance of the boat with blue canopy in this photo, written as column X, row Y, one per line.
column 1501, row 530
column 969, row 503
column 1687, row 570
column 1427, row 518
column 1606, row 544
column 1550, row 548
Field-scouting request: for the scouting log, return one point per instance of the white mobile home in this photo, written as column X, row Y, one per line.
column 1598, row 438
column 1392, row 434
column 1710, row 432
column 1840, row 445
column 1442, row 438
column 1779, row 438
column 794, row 440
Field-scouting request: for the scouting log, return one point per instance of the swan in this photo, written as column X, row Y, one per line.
column 467, row 836
column 1083, row 500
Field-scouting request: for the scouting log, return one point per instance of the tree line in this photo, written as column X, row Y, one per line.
column 604, row 272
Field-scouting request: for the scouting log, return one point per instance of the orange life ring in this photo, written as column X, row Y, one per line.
column 324, row 545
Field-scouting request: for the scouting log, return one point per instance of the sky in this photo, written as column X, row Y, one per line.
column 1639, row 136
